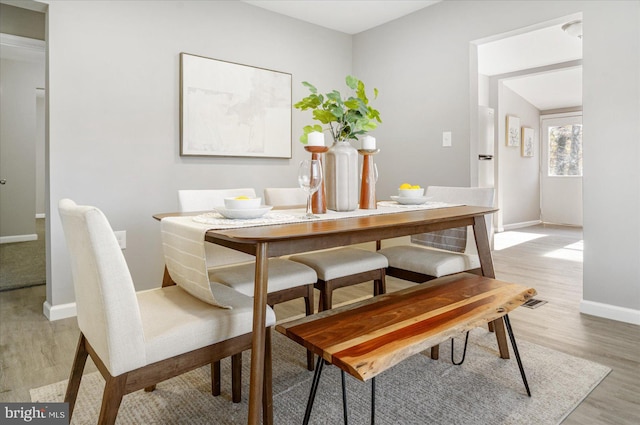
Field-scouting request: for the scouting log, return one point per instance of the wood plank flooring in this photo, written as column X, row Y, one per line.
column 36, row 352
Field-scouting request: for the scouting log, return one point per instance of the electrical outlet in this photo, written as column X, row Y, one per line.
column 446, row 139
column 121, row 236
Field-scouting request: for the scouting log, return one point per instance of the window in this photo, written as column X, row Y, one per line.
column 565, row 150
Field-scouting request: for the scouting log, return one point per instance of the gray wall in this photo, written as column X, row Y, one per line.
column 18, row 82
column 113, row 111
column 113, row 108
column 421, row 64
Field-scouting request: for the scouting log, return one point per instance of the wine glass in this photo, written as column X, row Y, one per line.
column 309, row 179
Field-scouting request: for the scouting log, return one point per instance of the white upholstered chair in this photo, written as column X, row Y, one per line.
column 287, row 280
column 336, row 268
column 139, row 339
column 441, row 253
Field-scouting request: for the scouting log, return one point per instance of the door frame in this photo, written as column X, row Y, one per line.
column 544, row 157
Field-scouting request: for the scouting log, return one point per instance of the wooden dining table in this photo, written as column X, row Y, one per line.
column 284, row 239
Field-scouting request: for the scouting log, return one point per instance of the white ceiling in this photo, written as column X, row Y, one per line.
column 545, row 47
column 348, row 16
column 541, row 47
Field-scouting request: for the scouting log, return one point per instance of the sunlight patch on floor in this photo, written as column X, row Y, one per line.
column 508, row 239
column 571, row 252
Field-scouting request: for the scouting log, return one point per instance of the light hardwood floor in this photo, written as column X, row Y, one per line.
column 35, row 352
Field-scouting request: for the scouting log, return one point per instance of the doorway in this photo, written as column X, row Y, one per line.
column 561, row 169
column 22, row 162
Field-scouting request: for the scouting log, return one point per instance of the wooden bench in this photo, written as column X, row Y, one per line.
column 368, row 337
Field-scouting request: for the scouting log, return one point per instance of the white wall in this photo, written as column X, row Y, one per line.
column 519, row 177
column 114, row 102
column 18, row 83
column 421, row 65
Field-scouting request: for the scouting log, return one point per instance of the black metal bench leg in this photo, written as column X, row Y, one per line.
column 344, row 399
column 507, row 324
column 373, row 400
column 314, row 389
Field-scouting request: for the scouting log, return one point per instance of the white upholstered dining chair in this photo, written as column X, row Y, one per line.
column 336, row 268
column 287, row 280
column 137, row 339
column 441, row 253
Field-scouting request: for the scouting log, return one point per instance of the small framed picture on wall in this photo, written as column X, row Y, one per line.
column 527, row 142
column 513, row 131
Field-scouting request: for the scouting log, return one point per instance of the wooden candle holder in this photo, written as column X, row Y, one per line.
column 318, row 199
column 368, row 185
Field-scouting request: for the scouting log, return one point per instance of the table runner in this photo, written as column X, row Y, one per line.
column 217, row 221
column 183, row 240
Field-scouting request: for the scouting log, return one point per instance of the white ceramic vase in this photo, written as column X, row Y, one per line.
column 341, row 176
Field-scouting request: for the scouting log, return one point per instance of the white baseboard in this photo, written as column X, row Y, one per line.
column 18, row 238
column 608, row 311
column 58, row 312
column 41, row 215
column 519, row 225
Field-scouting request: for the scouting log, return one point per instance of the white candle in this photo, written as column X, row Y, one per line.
column 315, row 138
column 368, row 143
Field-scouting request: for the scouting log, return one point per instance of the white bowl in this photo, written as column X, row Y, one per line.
column 411, row 193
column 405, row 200
column 242, row 204
column 244, row 214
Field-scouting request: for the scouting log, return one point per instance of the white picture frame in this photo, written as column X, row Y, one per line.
column 229, row 109
column 512, row 136
column 528, row 136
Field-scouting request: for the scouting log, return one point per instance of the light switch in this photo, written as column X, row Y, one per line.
column 446, row 139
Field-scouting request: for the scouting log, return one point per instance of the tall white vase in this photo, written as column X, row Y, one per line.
column 341, row 176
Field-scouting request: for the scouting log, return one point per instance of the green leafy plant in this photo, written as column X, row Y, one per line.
column 345, row 119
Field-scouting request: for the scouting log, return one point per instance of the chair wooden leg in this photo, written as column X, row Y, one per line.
column 267, row 389
column 215, row 378
column 150, row 388
column 111, row 399
column 380, row 285
column 435, row 352
column 236, row 378
column 76, row 374
column 308, row 307
column 327, row 297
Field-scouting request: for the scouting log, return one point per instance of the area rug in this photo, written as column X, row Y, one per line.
column 483, row 390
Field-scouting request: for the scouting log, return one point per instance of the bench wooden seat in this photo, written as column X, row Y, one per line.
column 368, row 337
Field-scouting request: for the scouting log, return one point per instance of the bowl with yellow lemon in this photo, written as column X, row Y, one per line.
column 242, row 203
column 410, row 194
column 407, row 190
